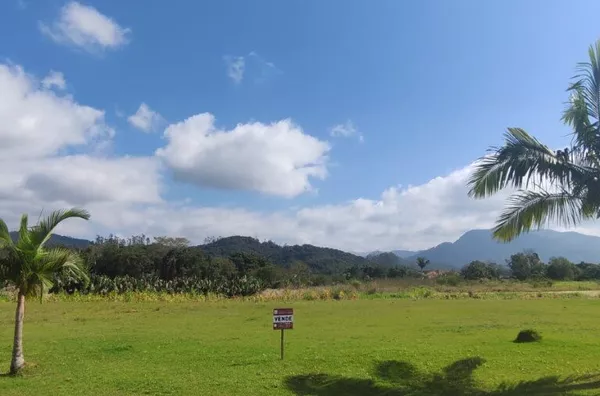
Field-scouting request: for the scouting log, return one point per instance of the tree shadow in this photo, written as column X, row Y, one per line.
column 396, row 378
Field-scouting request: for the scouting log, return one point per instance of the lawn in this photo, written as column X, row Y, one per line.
column 361, row 347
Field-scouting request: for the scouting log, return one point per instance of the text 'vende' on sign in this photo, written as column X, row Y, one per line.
column 283, row 318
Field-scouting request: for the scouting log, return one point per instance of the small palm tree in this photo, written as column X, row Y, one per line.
column 560, row 186
column 28, row 266
column 422, row 262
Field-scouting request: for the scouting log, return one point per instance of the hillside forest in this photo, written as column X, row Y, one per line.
column 239, row 266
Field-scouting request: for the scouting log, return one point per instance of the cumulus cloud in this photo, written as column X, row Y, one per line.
column 346, row 129
column 37, row 130
column 235, row 68
column 276, row 159
column 85, row 27
column 54, row 80
column 82, row 179
column 36, row 122
column 145, row 119
column 414, row 217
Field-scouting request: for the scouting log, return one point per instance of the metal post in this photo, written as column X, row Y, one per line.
column 282, row 344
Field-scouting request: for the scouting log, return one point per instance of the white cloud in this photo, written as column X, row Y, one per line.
column 415, row 217
column 54, row 79
column 145, row 118
column 277, row 158
column 347, row 129
column 85, row 27
column 36, row 122
column 39, row 129
column 253, row 65
column 36, row 126
column 235, row 68
column 412, row 218
column 82, row 179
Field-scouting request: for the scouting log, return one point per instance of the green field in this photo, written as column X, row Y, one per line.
column 361, row 347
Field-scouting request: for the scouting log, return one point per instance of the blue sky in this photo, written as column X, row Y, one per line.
column 427, row 86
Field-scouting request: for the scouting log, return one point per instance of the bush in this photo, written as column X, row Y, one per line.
column 449, row 279
column 478, row 270
column 559, row 268
column 420, row 292
column 103, row 285
column 528, row 336
column 588, row 271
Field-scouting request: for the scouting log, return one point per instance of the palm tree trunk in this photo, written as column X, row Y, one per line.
column 18, row 361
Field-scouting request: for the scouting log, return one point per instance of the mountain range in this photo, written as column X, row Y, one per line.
column 479, row 245
column 473, row 245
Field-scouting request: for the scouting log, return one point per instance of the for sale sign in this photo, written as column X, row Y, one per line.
column 283, row 318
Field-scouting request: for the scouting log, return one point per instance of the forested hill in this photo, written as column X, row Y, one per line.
column 319, row 259
column 60, row 240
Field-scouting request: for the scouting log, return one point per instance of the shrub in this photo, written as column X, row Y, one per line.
column 421, row 292
column 478, row 270
column 103, row 285
column 355, row 284
column 449, row 279
column 559, row 268
column 338, row 294
column 541, row 283
column 528, row 335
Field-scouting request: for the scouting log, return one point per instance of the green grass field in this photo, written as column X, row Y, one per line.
column 361, row 347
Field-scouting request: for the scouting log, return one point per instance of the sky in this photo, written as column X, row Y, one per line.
column 342, row 123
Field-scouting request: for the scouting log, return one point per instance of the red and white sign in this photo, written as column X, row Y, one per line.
column 283, row 318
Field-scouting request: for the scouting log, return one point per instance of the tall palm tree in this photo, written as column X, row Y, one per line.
column 28, row 266
column 561, row 187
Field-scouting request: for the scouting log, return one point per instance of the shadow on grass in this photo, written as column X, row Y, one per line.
column 395, row 378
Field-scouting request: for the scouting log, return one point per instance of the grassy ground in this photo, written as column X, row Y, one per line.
column 361, row 347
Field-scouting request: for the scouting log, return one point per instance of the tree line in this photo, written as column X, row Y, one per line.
column 529, row 266
column 229, row 266
column 239, row 266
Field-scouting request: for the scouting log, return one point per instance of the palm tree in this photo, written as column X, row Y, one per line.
column 422, row 262
column 28, row 266
column 561, row 186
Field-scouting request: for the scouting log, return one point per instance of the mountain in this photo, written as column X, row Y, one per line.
column 473, row 245
column 479, row 245
column 60, row 240
column 319, row 259
column 405, row 253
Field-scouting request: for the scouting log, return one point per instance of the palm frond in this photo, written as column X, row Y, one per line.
column 529, row 209
column 5, row 238
column 42, row 232
column 47, row 263
column 24, row 241
column 584, row 104
column 521, row 161
column 61, row 259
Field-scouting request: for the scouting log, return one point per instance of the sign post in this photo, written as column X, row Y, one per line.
column 283, row 319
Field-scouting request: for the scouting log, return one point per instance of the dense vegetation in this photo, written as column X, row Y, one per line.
column 228, row 266
column 528, row 266
column 240, row 266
